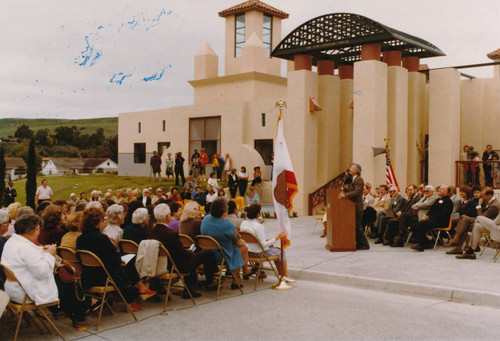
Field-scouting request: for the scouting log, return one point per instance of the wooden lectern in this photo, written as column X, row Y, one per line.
column 341, row 222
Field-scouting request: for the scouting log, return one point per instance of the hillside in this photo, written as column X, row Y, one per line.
column 8, row 126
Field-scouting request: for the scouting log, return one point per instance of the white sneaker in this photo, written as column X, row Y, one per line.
column 288, row 280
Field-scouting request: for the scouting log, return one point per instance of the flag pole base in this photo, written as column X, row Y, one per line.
column 282, row 285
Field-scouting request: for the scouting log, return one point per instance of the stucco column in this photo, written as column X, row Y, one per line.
column 397, row 121
column 301, row 129
column 370, row 118
column 328, row 127
column 346, row 73
column 444, row 125
column 302, row 62
column 416, row 110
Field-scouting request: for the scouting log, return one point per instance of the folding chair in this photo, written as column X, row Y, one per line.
column 443, row 229
column 497, row 249
column 174, row 273
column 487, row 242
column 27, row 307
column 250, row 238
column 128, row 246
column 316, row 221
column 186, row 240
column 90, row 260
column 209, row 243
column 69, row 256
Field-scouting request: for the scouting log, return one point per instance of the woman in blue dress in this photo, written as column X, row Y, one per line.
column 225, row 233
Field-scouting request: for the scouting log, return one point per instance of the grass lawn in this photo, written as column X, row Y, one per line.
column 64, row 185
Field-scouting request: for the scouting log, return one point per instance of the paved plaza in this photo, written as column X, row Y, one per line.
column 382, row 293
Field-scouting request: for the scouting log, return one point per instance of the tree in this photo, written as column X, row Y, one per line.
column 31, row 175
column 43, row 137
column 24, row 132
column 2, row 174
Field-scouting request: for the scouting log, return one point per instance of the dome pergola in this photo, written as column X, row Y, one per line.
column 339, row 37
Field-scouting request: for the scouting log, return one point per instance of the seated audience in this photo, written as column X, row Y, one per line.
column 488, row 207
column 115, row 217
column 12, row 211
column 186, row 195
column 199, row 196
column 145, row 199
column 251, row 196
column 4, row 226
column 159, row 196
column 186, row 260
column 94, row 241
column 221, row 193
column 53, row 220
column 437, row 216
column 211, row 195
column 396, row 204
column 254, row 226
column 190, row 222
column 137, row 230
column 232, row 214
column 212, row 181
column 174, row 195
column 34, row 266
column 73, row 224
column 226, row 234
column 175, row 210
column 483, row 225
column 130, row 211
column 367, row 196
column 398, row 227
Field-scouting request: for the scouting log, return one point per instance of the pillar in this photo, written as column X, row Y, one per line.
column 206, row 63
column 326, row 67
column 444, row 125
column 397, row 120
column 416, row 111
column 370, row 118
column 346, row 73
column 303, row 62
column 301, row 128
column 370, row 52
column 392, row 58
column 328, row 124
column 411, row 63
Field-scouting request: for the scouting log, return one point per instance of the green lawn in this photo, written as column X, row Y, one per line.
column 63, row 186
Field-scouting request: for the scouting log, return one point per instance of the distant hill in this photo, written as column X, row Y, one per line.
column 8, row 126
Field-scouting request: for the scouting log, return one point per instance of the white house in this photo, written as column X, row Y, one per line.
column 15, row 168
column 54, row 166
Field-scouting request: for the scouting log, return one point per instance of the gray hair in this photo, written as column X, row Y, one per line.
column 23, row 210
column 430, row 188
column 94, row 204
column 145, row 190
column 190, row 211
column 114, row 213
column 4, row 217
column 357, row 167
column 161, row 211
column 140, row 215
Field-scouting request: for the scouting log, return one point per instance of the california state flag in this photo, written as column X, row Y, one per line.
column 284, row 183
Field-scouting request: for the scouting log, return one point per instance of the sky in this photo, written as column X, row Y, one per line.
column 94, row 58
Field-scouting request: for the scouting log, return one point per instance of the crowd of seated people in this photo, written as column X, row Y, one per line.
column 472, row 212
column 29, row 241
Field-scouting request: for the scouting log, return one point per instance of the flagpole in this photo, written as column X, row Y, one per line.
column 281, row 285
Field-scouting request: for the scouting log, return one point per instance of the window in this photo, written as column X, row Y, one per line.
column 162, row 146
column 164, row 125
column 267, row 33
column 204, row 133
column 139, row 152
column 139, row 127
column 107, row 164
column 263, row 119
column 239, row 37
column 265, row 149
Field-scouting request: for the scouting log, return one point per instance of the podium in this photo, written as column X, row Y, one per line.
column 341, row 222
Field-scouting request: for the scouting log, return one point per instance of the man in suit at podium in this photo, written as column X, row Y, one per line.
column 355, row 194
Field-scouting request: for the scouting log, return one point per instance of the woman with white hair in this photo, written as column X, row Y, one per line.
column 114, row 216
column 12, row 211
column 190, row 220
column 94, row 204
column 137, row 231
column 4, row 226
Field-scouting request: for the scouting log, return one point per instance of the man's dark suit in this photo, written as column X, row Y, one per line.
column 487, row 166
column 400, row 225
column 355, row 194
column 148, row 200
column 439, row 216
column 396, row 205
column 186, row 260
column 9, row 196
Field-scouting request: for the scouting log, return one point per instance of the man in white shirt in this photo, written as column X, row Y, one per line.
column 43, row 193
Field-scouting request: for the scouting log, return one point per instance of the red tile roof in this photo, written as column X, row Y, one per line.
column 255, row 5
column 494, row 55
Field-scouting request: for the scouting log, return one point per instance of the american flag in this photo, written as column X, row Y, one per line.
column 390, row 176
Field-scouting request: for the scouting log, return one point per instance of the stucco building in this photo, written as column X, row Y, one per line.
column 350, row 83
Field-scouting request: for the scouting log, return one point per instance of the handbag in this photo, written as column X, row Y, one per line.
column 66, row 273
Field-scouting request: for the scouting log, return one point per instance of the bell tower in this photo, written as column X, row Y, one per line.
column 255, row 25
